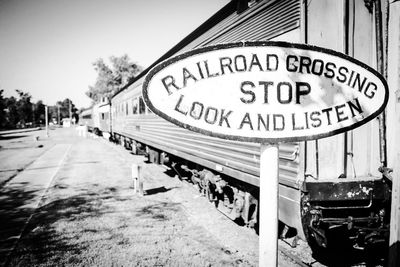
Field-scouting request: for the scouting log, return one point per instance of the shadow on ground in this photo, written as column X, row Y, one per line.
column 157, row 190
column 41, row 242
column 9, row 137
column 159, row 211
column 13, row 210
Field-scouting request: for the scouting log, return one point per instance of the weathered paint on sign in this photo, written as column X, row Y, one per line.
column 265, row 91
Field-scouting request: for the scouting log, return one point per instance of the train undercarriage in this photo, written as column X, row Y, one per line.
column 349, row 215
column 235, row 199
column 340, row 215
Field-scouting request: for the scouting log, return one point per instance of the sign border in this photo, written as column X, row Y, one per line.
column 201, row 50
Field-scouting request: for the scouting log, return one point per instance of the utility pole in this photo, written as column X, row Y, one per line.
column 70, row 111
column 46, row 115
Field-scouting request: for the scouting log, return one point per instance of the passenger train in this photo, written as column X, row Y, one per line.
column 334, row 190
column 97, row 118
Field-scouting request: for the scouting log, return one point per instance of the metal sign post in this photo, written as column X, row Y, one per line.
column 268, row 203
column 258, row 92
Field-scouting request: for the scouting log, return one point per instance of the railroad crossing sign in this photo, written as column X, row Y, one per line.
column 265, row 92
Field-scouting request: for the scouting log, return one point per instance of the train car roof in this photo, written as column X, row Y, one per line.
column 86, row 111
column 224, row 12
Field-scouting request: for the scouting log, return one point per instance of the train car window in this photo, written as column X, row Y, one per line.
column 135, row 106
column 126, row 109
column 102, row 116
column 142, row 106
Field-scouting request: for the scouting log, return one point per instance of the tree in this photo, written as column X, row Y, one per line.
column 111, row 79
column 39, row 112
column 3, row 110
column 123, row 69
column 24, row 108
column 65, row 107
column 12, row 113
column 21, row 112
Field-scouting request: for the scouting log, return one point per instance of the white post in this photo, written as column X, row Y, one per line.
column 268, row 206
column 137, row 179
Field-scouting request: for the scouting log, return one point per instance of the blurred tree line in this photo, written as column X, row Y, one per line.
column 20, row 112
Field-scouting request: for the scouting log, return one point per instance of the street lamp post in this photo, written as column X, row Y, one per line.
column 47, row 120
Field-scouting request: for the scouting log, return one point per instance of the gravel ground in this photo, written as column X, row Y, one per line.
column 90, row 215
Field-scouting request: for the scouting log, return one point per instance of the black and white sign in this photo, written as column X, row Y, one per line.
column 265, row 91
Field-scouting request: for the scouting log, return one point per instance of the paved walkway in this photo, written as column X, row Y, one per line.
column 22, row 195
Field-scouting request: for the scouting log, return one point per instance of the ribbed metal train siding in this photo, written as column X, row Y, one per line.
column 264, row 20
column 231, row 156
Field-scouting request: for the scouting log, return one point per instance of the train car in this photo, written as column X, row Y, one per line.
column 97, row 118
column 85, row 118
column 333, row 191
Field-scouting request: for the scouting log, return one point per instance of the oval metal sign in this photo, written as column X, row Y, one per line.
column 265, row 91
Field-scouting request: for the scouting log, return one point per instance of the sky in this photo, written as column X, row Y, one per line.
column 47, row 47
